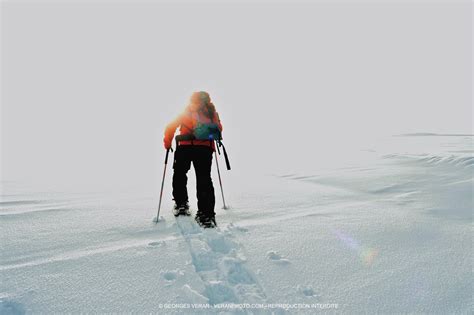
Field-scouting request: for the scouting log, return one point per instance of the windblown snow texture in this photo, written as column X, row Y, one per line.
column 389, row 234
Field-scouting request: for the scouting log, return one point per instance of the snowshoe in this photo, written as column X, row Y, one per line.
column 206, row 221
column 181, row 210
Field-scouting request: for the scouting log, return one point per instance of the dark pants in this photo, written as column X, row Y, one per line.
column 201, row 157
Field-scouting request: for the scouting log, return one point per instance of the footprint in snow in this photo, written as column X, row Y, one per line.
column 232, row 227
column 156, row 244
column 276, row 257
column 11, row 307
column 171, row 275
column 220, row 244
column 306, row 290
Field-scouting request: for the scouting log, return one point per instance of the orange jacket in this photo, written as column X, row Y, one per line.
column 187, row 122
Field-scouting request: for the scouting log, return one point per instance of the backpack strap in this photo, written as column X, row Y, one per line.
column 211, row 116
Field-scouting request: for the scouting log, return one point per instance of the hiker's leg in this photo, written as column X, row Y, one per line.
column 181, row 165
column 202, row 162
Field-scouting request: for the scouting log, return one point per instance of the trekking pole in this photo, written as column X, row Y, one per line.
column 220, row 181
column 162, row 184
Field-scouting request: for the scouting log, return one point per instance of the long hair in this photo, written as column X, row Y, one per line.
column 208, row 107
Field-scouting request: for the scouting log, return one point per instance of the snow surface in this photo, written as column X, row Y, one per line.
column 391, row 233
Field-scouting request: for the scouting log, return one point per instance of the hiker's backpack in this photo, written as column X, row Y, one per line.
column 205, row 130
column 209, row 131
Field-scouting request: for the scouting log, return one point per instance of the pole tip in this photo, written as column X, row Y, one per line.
column 160, row 219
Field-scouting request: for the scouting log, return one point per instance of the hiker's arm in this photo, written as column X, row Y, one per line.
column 169, row 132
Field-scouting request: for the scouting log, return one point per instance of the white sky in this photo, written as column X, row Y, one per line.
column 88, row 88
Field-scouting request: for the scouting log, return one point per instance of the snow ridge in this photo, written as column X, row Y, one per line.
column 461, row 161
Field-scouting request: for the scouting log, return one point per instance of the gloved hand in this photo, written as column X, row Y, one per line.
column 167, row 144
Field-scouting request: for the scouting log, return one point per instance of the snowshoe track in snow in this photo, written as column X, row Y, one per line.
column 220, row 264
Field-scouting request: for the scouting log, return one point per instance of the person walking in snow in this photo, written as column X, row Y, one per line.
column 199, row 126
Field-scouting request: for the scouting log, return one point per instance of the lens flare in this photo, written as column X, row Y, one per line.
column 366, row 254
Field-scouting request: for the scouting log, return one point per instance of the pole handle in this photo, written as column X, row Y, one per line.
column 166, row 158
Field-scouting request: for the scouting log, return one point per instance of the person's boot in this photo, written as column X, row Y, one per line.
column 182, row 209
column 198, row 217
column 206, row 221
